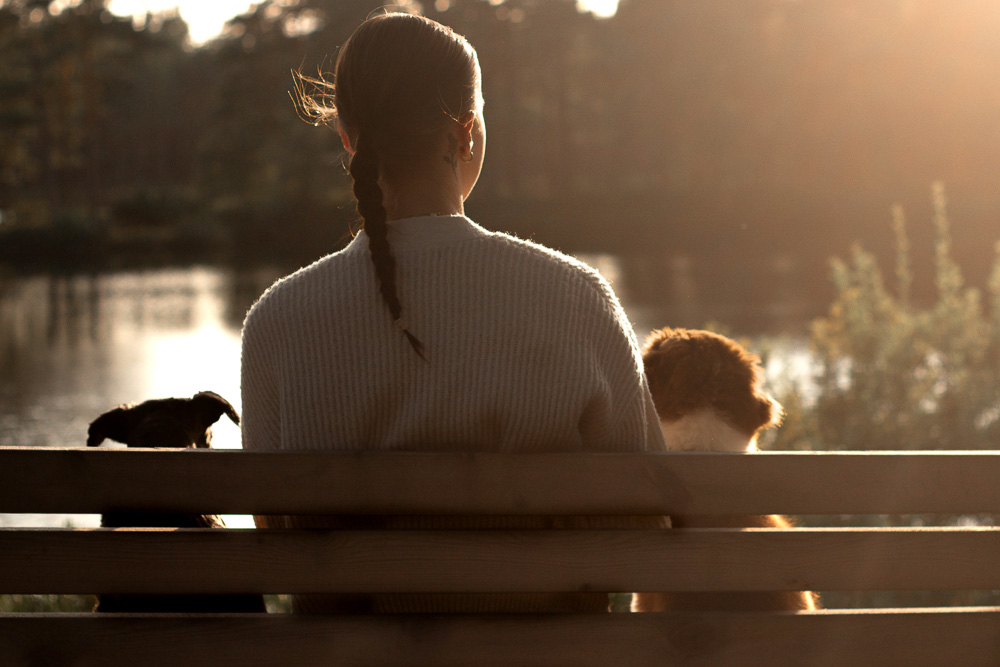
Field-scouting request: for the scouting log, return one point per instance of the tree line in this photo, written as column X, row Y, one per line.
column 733, row 129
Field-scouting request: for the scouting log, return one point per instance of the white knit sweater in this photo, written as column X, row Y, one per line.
column 526, row 350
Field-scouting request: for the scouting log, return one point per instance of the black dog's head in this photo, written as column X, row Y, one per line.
column 164, row 422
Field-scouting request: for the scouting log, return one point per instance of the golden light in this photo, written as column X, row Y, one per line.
column 206, row 19
column 601, row 8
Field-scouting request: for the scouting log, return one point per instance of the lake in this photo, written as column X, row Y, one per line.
column 75, row 344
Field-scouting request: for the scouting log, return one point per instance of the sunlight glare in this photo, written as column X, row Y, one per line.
column 205, row 359
column 601, row 8
column 204, row 19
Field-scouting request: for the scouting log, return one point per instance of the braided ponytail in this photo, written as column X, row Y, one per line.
column 364, row 172
column 401, row 80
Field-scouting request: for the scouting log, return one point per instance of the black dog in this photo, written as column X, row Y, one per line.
column 167, row 422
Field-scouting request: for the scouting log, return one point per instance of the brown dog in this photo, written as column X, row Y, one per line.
column 167, row 422
column 706, row 389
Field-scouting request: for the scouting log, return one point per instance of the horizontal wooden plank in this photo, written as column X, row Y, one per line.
column 40, row 480
column 926, row 638
column 277, row 561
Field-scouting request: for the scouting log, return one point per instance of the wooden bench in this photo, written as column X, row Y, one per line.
column 84, row 561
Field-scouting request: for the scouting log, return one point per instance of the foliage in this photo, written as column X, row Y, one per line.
column 276, row 604
column 48, row 603
column 88, row 107
column 673, row 123
column 892, row 374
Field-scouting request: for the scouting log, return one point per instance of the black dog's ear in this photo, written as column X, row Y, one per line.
column 209, row 406
column 114, row 424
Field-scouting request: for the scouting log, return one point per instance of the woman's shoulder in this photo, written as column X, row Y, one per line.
column 525, row 255
column 303, row 284
column 568, row 279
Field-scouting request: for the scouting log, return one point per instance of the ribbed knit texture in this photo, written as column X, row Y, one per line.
column 527, row 350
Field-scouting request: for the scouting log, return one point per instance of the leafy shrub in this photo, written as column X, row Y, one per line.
column 32, row 603
column 891, row 374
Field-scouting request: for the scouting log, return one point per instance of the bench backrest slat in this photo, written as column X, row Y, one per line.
column 90, row 481
column 546, row 560
column 887, row 639
column 158, row 561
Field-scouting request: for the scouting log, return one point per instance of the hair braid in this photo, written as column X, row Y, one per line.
column 400, row 81
column 364, row 171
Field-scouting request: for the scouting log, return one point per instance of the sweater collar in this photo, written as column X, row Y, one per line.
column 425, row 231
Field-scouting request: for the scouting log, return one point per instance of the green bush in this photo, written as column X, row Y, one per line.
column 33, row 603
column 891, row 374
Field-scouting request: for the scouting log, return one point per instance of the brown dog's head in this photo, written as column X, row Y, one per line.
column 690, row 371
column 164, row 422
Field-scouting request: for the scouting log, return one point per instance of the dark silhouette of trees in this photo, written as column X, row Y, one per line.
column 721, row 128
column 93, row 116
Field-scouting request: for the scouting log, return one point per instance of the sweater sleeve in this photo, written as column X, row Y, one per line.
column 261, row 404
column 629, row 421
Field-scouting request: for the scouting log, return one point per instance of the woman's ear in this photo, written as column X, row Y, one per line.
column 345, row 138
column 467, row 123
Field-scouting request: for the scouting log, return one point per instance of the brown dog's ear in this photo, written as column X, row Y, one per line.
column 209, row 406
column 114, row 424
column 771, row 412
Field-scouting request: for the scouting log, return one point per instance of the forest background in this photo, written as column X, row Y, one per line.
column 743, row 130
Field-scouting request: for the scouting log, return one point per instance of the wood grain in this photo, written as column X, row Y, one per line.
column 90, row 481
column 420, row 561
column 279, row 561
column 890, row 638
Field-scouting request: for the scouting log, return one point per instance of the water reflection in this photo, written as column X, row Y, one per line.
column 75, row 345
column 674, row 289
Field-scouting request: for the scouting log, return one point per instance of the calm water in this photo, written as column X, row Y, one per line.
column 73, row 346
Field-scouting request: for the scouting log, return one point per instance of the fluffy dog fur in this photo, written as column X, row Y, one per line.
column 707, row 393
column 167, row 422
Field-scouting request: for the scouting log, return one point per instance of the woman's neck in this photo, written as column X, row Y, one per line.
column 399, row 205
column 431, row 190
